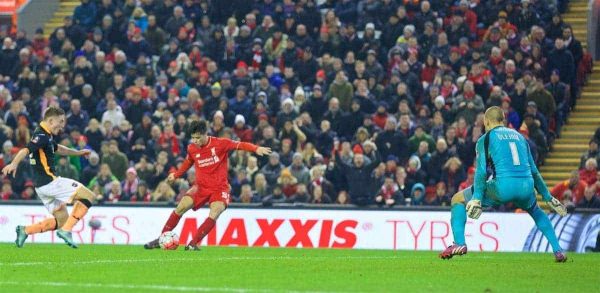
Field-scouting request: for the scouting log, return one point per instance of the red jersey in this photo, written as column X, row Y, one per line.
column 211, row 161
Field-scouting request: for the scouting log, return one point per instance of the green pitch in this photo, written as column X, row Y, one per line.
column 104, row 268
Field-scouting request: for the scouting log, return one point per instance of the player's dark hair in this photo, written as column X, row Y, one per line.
column 53, row 112
column 198, row 126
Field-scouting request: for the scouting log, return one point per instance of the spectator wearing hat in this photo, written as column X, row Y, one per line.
column 392, row 142
column 380, row 117
column 241, row 130
column 420, row 135
column 211, row 102
column 270, row 93
column 299, row 169
column 469, row 180
column 275, row 45
column 272, row 169
column 129, row 186
column 137, row 46
column 541, row 120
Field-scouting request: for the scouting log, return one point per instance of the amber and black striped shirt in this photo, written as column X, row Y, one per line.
column 41, row 155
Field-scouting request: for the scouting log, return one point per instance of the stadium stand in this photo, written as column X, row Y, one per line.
column 403, row 83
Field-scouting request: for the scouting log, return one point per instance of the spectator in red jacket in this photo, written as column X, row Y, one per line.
column 241, row 130
column 575, row 185
column 470, row 179
column 588, row 174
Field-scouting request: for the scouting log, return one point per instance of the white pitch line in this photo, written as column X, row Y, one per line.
column 150, row 287
column 130, row 286
column 115, row 261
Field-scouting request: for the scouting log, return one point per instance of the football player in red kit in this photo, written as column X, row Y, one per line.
column 209, row 156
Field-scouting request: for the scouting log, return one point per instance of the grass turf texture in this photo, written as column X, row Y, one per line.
column 100, row 268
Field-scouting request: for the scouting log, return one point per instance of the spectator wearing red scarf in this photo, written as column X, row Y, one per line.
column 380, row 117
column 168, row 140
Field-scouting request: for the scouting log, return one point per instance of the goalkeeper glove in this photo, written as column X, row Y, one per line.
column 558, row 207
column 474, row 209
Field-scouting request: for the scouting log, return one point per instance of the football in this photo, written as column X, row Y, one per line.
column 95, row 224
column 169, row 240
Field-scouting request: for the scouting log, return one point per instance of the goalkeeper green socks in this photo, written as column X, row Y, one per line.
column 458, row 220
column 544, row 224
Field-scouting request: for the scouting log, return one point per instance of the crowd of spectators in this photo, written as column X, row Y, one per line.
column 582, row 188
column 364, row 102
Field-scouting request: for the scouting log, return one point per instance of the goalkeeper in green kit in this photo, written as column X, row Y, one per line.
column 514, row 178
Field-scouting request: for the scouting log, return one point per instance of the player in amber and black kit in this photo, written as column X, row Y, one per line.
column 55, row 192
column 209, row 156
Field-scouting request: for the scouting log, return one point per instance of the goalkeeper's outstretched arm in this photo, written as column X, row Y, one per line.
column 480, row 171
column 538, row 181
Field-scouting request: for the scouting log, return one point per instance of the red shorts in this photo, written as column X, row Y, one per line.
column 201, row 197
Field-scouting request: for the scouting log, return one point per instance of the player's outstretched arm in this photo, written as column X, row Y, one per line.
column 540, row 186
column 480, row 171
column 66, row 151
column 473, row 207
column 185, row 166
column 262, row 151
column 249, row 147
column 12, row 167
column 538, row 181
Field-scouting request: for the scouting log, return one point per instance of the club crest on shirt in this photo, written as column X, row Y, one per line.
column 35, row 139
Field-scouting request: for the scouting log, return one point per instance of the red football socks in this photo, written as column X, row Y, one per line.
column 204, row 229
column 171, row 222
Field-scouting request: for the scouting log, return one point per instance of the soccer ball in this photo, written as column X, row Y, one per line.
column 95, row 224
column 169, row 240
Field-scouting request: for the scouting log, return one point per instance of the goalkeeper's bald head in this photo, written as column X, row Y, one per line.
column 494, row 116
